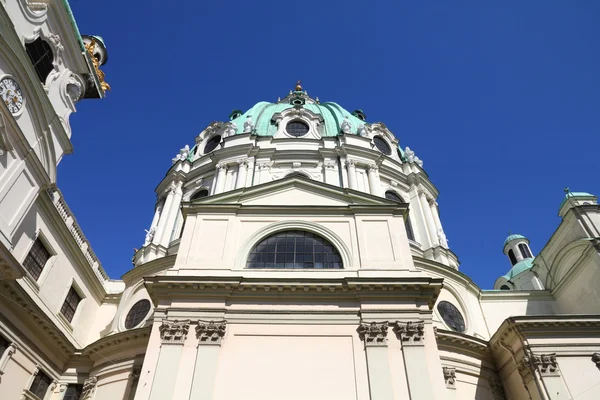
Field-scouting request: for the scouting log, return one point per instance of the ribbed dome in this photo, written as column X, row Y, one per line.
column 514, row 236
column 333, row 115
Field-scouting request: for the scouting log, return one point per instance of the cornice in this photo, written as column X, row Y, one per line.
column 117, row 343
column 428, row 265
column 150, row 268
column 460, row 341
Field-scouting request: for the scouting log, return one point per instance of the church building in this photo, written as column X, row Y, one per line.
column 295, row 251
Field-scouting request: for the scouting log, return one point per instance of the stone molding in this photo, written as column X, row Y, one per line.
column 596, row 359
column 411, row 333
column 374, row 333
column 210, row 333
column 545, row 363
column 450, row 377
column 8, row 353
column 174, row 332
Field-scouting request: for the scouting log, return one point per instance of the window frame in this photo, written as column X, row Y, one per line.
column 209, row 140
column 460, row 313
column 47, row 266
column 39, row 373
column 72, row 285
column 129, row 312
column 78, row 390
column 299, row 122
column 49, row 50
column 387, row 143
column 527, row 252
column 410, row 233
column 202, row 189
column 512, row 257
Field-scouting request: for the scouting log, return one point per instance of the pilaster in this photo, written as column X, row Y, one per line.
column 374, row 181
column 432, row 232
column 209, row 335
column 242, row 174
column 173, row 335
column 374, row 335
column 221, row 175
column 6, row 356
column 412, row 337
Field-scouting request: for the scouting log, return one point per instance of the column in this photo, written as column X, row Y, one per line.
column 152, row 231
column 221, row 176
column 428, row 219
column 172, row 335
column 10, row 350
column 450, row 379
column 242, row 174
column 415, row 360
column 170, row 213
column 351, row 167
column 438, row 224
column 209, row 334
column 374, row 182
column 374, row 335
column 160, row 228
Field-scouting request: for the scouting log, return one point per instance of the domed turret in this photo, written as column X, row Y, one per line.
column 520, row 276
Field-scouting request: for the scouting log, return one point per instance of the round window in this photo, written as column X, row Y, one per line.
column 212, row 144
column 297, row 128
column 137, row 313
column 382, row 145
column 451, row 316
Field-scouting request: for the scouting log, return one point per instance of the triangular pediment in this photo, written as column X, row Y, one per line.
column 297, row 191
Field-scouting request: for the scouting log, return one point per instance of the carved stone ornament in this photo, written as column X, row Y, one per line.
column 524, row 368
column 450, row 377
column 442, row 238
column 296, row 165
column 174, row 332
column 373, row 167
column 411, row 333
column 230, row 129
column 545, row 363
column 362, row 131
column 211, row 332
column 55, row 40
column 75, row 87
column 248, row 125
column 346, row 125
column 10, row 350
column 330, row 164
column 351, row 163
column 183, row 154
column 596, row 359
column 411, row 157
column 89, row 385
column 497, row 389
column 4, row 143
column 374, row 334
column 149, row 236
column 91, row 47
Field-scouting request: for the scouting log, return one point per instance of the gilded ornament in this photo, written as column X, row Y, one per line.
column 90, row 47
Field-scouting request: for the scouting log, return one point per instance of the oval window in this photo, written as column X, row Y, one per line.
column 137, row 313
column 382, row 145
column 451, row 316
column 297, row 128
column 212, row 144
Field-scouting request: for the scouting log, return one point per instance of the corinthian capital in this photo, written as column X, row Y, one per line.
column 211, row 332
column 411, row 333
column 374, row 334
column 174, row 331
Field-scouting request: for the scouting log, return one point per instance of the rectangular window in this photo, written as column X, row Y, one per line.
column 36, row 259
column 3, row 345
column 40, row 384
column 70, row 305
column 73, row 392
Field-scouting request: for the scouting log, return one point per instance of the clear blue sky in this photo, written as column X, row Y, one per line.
column 500, row 99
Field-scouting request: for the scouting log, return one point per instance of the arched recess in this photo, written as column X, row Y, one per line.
column 137, row 292
column 454, row 297
column 262, row 233
column 565, row 259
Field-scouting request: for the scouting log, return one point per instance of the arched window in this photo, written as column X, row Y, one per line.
column 525, row 250
column 504, row 287
column 199, row 194
column 511, row 255
column 294, row 249
column 390, row 195
column 41, row 57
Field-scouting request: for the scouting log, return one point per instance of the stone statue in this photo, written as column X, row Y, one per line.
column 411, row 157
column 362, row 131
column 230, row 129
column 442, row 238
column 149, row 236
column 346, row 125
column 248, row 125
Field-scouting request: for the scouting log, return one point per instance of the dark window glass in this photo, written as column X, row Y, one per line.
column 36, row 259
column 504, row 287
column 382, row 145
column 41, row 57
column 40, row 384
column 525, row 250
column 70, row 305
column 3, row 345
column 511, row 255
column 137, row 313
column 390, row 195
column 294, row 249
column 297, row 128
column 212, row 144
column 73, row 392
column 200, row 194
column 451, row 316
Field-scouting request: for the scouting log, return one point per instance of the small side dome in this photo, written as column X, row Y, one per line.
column 574, row 199
column 516, row 247
column 512, row 237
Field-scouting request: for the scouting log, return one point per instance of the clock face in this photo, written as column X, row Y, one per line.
column 11, row 94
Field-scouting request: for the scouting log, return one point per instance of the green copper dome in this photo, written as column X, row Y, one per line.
column 521, row 266
column 513, row 237
column 333, row 115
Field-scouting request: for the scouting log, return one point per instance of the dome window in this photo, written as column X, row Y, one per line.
column 212, row 144
column 504, row 287
column 235, row 114
column 451, row 316
column 359, row 114
column 297, row 128
column 382, row 145
column 294, row 249
column 513, row 258
column 525, row 250
column 199, row 194
column 137, row 313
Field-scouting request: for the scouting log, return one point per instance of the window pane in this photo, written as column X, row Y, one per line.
column 40, row 384
column 137, row 313
column 70, row 305
column 294, row 249
column 451, row 316
column 36, row 259
column 73, row 392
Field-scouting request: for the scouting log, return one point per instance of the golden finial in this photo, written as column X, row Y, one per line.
column 298, row 86
column 90, row 47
